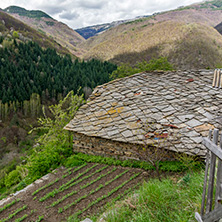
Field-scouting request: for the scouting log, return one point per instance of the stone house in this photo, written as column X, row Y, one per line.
column 176, row 106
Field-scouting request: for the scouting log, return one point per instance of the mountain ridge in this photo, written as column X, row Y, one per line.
column 42, row 22
column 90, row 31
column 9, row 24
column 191, row 29
column 29, row 13
column 160, row 35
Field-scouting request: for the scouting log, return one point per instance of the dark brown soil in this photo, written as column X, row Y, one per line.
column 35, row 208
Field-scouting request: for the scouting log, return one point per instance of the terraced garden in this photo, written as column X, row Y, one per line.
column 80, row 191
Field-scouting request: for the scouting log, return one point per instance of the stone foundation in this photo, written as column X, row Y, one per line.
column 108, row 148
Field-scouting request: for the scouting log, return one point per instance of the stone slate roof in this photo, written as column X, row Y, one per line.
column 153, row 106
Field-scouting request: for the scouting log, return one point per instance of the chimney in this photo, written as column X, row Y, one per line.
column 217, row 81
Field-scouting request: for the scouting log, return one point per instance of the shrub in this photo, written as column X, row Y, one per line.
column 56, row 142
column 45, row 161
column 15, row 35
column 72, row 161
column 12, row 178
column 124, row 70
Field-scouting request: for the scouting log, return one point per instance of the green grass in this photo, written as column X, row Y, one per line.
column 167, row 166
column 166, row 201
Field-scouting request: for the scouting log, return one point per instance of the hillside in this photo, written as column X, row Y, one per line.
column 186, row 36
column 43, row 23
column 8, row 24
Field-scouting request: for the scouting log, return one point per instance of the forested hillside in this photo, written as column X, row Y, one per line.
column 26, row 69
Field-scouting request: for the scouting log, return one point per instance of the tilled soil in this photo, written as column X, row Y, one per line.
column 105, row 182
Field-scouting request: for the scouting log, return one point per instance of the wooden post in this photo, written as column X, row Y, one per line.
column 205, row 178
column 218, row 195
column 218, row 78
column 211, row 175
column 215, row 78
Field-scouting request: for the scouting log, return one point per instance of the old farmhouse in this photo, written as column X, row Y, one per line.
column 176, row 106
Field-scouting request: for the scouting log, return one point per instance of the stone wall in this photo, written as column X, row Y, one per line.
column 108, row 148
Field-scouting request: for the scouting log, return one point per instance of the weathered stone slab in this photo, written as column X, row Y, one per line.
column 87, row 220
column 193, row 123
column 127, row 133
column 197, row 139
column 184, row 118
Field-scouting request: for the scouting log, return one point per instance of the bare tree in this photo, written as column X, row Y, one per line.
column 156, row 141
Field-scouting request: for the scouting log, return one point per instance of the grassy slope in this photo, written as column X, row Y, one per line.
column 60, row 32
column 166, row 34
column 174, row 199
column 31, row 33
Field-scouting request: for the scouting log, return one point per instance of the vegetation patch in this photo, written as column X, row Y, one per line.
column 13, row 214
column 154, row 64
column 50, row 23
column 173, row 199
column 9, row 205
column 166, row 166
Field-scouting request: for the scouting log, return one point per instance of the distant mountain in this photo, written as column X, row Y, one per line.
column 91, row 31
column 186, row 36
column 12, row 26
column 45, row 24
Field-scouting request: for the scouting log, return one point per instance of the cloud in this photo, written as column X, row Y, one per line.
column 52, row 10
column 69, row 15
column 91, row 4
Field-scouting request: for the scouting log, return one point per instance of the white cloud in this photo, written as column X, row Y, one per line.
column 79, row 13
column 69, row 15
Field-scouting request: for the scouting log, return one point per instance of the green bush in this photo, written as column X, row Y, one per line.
column 20, row 186
column 2, row 182
column 48, row 159
column 15, row 35
column 172, row 166
column 72, row 162
column 124, row 70
column 55, row 143
column 12, row 178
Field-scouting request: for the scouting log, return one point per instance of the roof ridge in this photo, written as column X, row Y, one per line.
column 131, row 76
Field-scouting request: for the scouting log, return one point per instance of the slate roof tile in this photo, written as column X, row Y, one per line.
column 179, row 102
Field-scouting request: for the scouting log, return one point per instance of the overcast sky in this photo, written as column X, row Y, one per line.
column 81, row 13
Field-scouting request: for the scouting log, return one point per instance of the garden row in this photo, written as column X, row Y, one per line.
column 75, row 192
